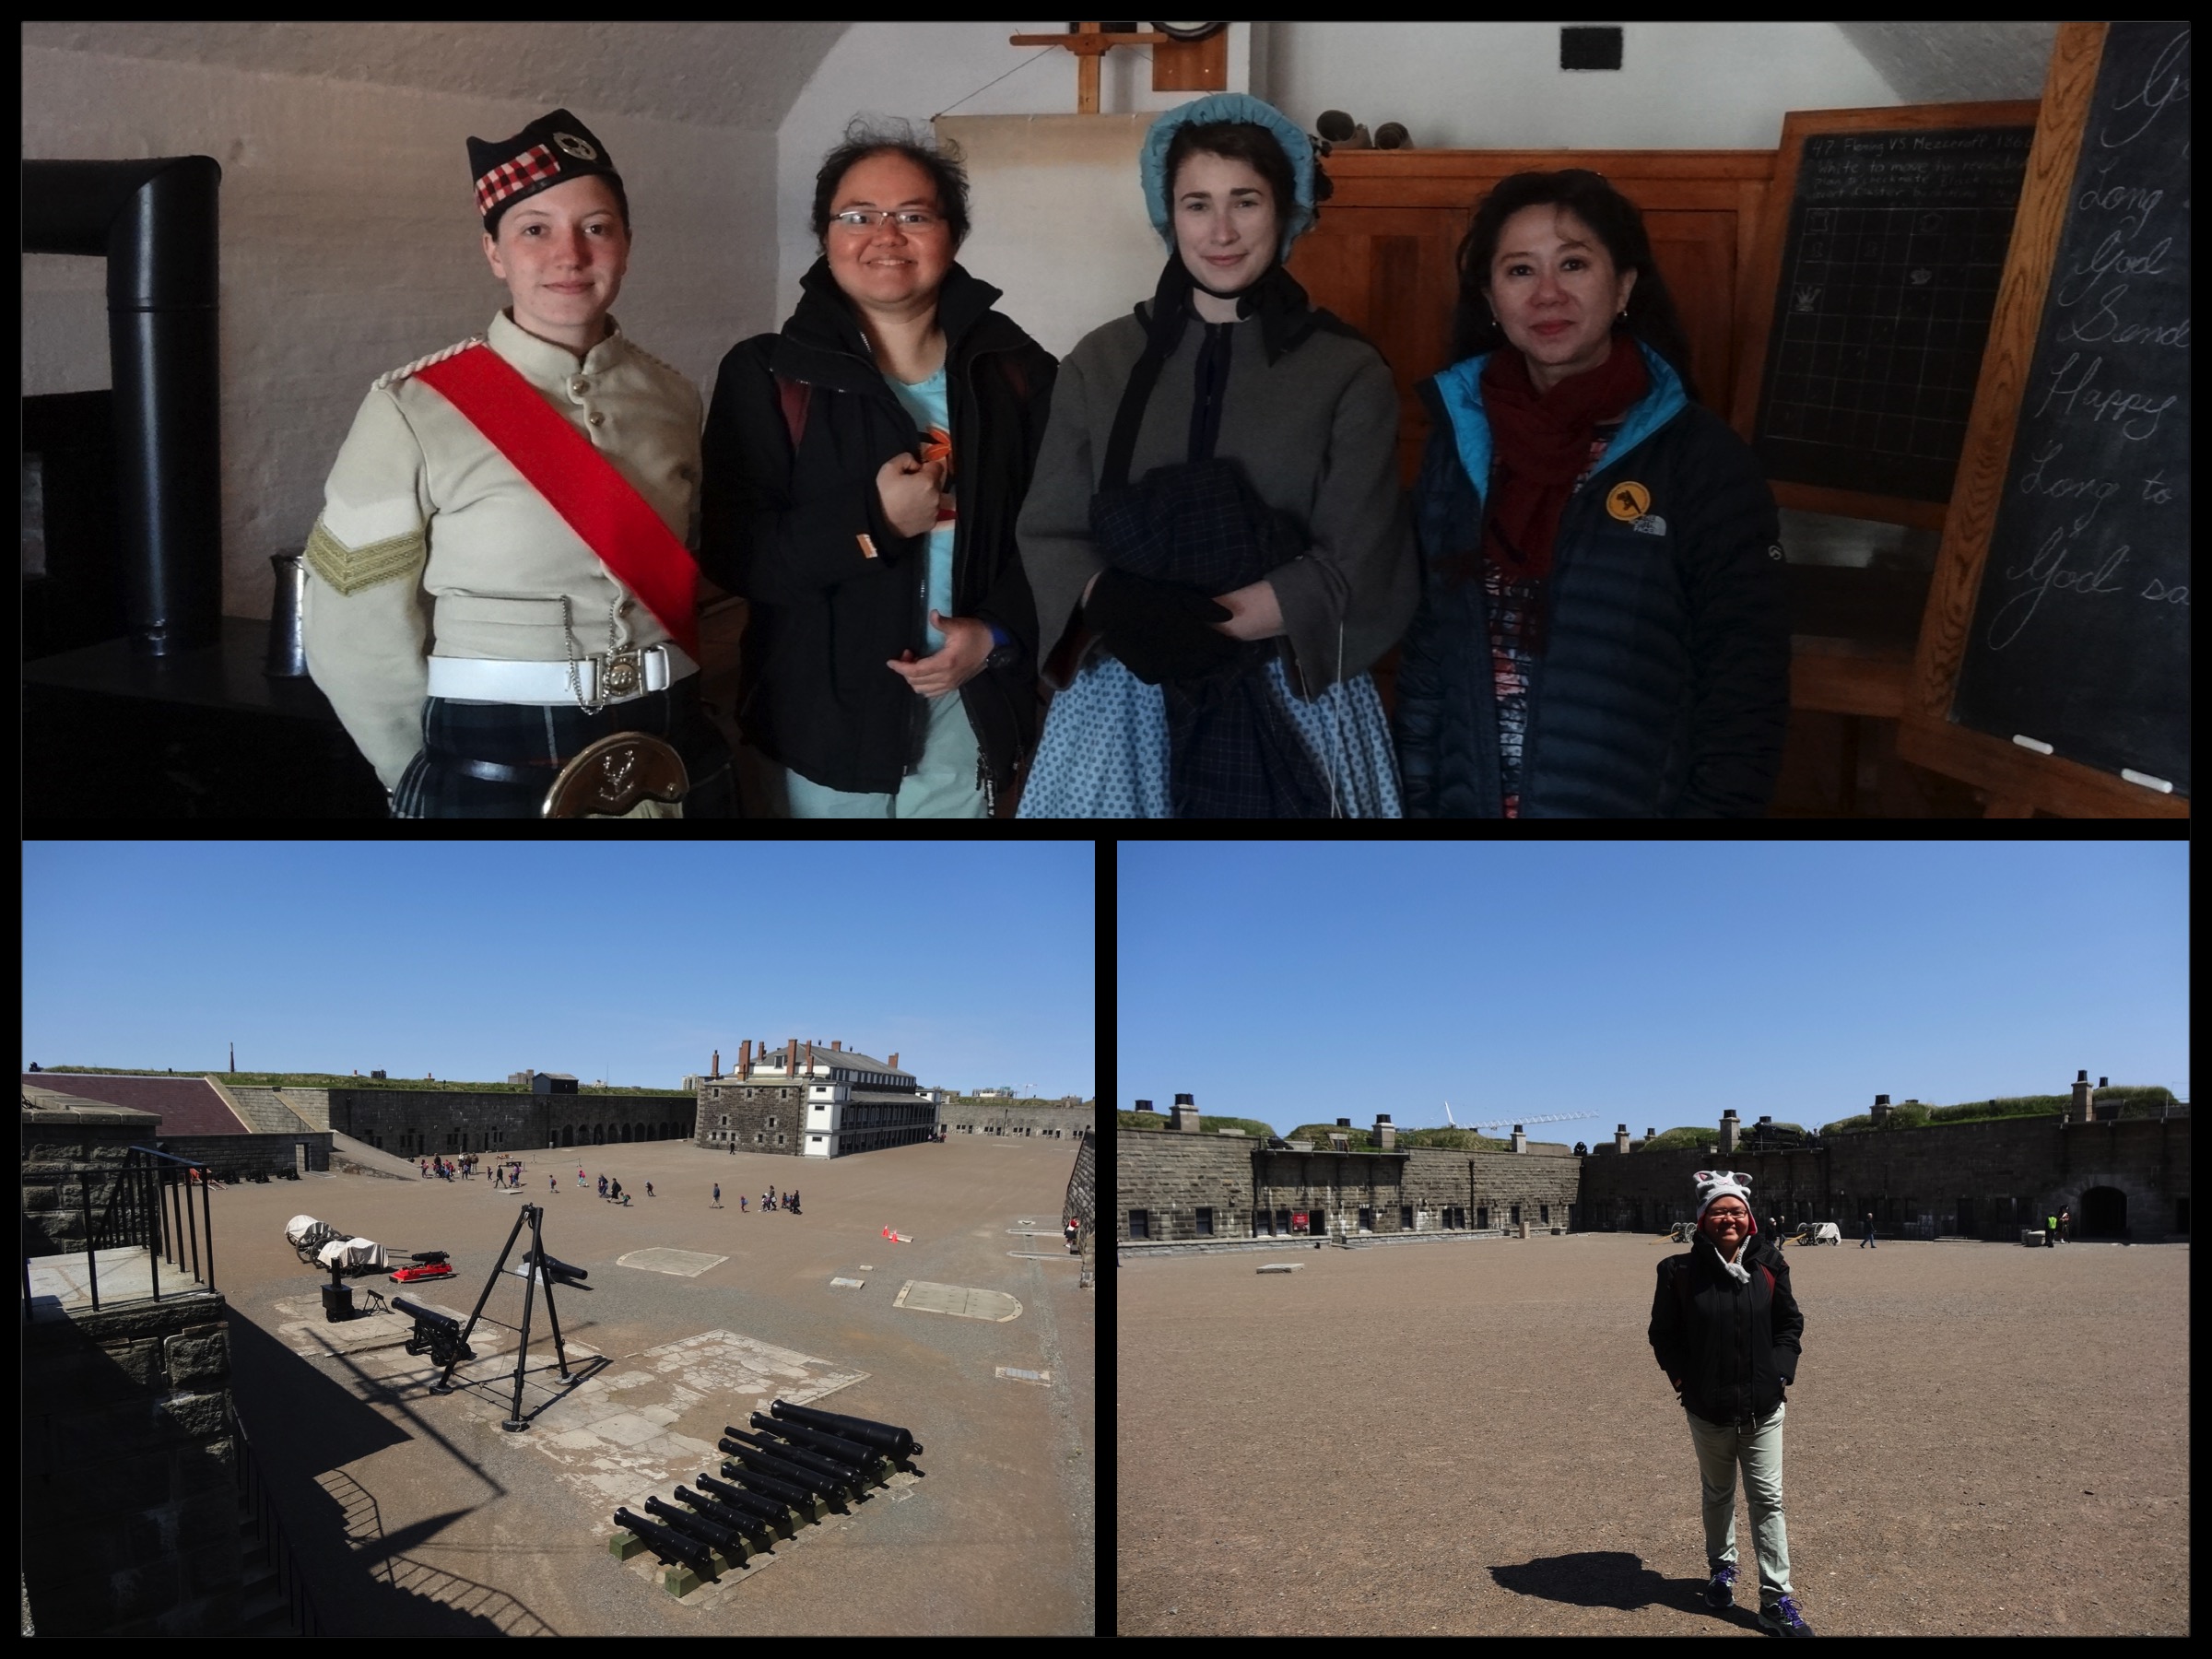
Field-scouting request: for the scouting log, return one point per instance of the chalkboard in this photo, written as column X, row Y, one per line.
column 1890, row 265
column 2080, row 633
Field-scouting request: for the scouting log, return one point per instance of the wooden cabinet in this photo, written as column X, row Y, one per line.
column 1384, row 256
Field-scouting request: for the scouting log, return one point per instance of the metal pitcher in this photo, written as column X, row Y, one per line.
column 288, row 649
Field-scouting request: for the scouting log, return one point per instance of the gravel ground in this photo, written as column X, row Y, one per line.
column 416, row 1517
column 1473, row 1437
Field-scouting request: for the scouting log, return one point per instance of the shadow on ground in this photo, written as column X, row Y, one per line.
column 1608, row 1577
column 304, row 1428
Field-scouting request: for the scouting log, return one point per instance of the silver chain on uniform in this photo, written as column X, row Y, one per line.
column 569, row 633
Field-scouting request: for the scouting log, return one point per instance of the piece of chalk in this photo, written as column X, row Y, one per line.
column 2147, row 780
column 2040, row 749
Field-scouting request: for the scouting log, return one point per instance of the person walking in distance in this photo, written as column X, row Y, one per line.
column 1726, row 1330
column 2066, row 1227
column 2050, row 1232
column 1867, row 1242
column 718, row 1194
column 741, row 1204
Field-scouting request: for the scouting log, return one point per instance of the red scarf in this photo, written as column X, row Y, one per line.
column 1543, row 446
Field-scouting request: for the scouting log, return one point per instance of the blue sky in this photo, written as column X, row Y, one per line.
column 472, row 960
column 1653, row 985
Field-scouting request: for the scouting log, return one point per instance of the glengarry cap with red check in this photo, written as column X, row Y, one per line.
column 551, row 150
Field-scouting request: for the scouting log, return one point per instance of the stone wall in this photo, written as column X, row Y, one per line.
column 738, row 1115
column 234, row 1157
column 415, row 1122
column 1171, row 1177
column 979, row 1117
column 1985, row 1180
column 54, row 1190
column 129, row 1498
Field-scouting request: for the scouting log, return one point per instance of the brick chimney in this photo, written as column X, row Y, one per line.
column 837, row 1044
column 1621, row 1138
column 1881, row 1110
column 894, row 1062
column 1186, row 1114
column 717, row 1071
column 744, row 1058
column 1386, row 1133
column 1520, row 1139
column 810, row 1059
column 1732, row 1129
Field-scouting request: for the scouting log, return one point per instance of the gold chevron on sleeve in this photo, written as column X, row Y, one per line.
column 350, row 569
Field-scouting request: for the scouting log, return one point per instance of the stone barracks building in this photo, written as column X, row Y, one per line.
column 2121, row 1178
column 811, row 1099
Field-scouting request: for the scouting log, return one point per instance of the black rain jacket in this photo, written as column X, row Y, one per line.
column 784, row 530
column 1734, row 1347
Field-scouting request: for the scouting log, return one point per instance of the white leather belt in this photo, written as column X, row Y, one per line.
column 612, row 677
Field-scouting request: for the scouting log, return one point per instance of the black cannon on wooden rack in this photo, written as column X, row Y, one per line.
column 850, row 1452
column 733, row 1548
column 799, row 1498
column 755, row 1456
column 669, row 1544
column 756, row 1531
column 889, row 1436
column 836, row 1469
column 772, row 1512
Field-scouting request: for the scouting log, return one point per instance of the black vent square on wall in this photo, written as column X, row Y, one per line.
column 1590, row 48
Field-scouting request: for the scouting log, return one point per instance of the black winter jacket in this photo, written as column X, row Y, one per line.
column 1732, row 1348
column 1665, row 686
column 785, row 531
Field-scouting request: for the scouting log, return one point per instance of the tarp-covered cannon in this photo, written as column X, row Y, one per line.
column 319, row 1244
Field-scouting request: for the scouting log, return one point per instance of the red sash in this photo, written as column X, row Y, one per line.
column 618, row 523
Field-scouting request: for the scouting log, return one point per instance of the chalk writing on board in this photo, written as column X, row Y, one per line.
column 2081, row 632
column 1895, row 248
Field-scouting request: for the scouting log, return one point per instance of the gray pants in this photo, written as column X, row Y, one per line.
column 1758, row 1448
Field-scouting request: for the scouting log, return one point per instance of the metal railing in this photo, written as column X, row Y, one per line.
column 149, row 1206
column 256, row 1509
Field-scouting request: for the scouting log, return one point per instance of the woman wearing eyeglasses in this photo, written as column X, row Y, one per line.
column 862, row 471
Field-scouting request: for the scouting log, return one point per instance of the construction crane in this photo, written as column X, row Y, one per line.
column 1557, row 1117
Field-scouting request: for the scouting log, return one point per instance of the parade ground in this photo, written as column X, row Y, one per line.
column 1471, row 1437
column 415, row 1514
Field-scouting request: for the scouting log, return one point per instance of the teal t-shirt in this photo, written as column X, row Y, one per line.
column 926, row 403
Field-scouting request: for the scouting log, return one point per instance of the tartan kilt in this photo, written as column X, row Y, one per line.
column 545, row 737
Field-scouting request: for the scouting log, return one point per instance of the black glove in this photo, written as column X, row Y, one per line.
column 1158, row 630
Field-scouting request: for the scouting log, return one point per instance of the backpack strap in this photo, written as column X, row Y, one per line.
column 793, row 398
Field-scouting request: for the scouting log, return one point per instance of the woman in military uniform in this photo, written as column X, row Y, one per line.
column 500, row 577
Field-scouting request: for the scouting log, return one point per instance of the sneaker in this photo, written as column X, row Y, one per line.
column 1721, row 1592
column 1781, row 1620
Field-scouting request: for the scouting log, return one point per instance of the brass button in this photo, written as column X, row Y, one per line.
column 594, row 417
column 578, row 385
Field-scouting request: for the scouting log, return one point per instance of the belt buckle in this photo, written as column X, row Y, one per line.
column 622, row 674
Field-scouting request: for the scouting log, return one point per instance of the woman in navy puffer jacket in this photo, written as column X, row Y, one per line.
column 1602, row 629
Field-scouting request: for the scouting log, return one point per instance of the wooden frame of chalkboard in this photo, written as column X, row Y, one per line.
column 1762, row 289
column 2019, row 779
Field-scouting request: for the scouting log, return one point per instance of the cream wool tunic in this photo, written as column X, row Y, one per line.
column 431, row 544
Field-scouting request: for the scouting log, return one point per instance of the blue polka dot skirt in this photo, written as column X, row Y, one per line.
column 1104, row 753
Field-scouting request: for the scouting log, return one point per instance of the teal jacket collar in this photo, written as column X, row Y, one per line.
column 1459, row 389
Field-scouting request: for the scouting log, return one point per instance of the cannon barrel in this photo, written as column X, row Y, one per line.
column 818, row 1472
column 805, row 1458
column 799, row 1498
column 554, row 1266
column 751, row 1529
column 425, row 1315
column 767, row 1509
column 727, row 1540
column 668, row 1544
column 820, row 1440
column 809, row 1480
column 866, row 1430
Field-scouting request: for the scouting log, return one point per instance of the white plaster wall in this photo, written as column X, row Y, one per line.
column 917, row 71
column 350, row 246
column 1498, row 86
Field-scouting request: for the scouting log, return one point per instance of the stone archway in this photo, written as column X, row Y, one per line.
column 567, row 1135
column 2102, row 1214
